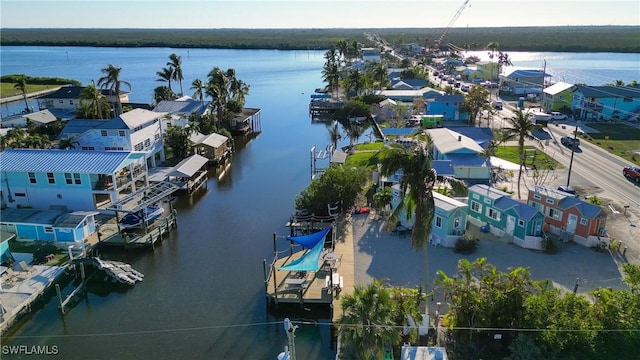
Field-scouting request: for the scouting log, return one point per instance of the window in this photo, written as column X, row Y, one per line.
column 456, row 223
column 32, row 178
column 147, row 143
column 537, row 196
column 19, row 194
column 121, row 133
column 70, row 102
column 475, row 206
column 138, row 147
column 553, row 213
column 48, row 229
column 584, row 221
column 61, row 101
column 476, row 196
column 550, row 201
column 438, row 222
column 493, row 214
column 68, row 178
column 104, row 132
column 487, row 201
column 157, row 136
column 51, row 178
column 88, row 148
column 520, row 223
column 76, row 179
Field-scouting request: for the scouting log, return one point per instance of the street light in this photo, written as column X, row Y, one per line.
column 575, row 134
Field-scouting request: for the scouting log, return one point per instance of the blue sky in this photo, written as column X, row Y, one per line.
column 313, row 13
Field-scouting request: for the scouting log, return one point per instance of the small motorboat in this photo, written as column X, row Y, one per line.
column 136, row 219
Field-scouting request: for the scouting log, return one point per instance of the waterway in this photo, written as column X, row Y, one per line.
column 203, row 293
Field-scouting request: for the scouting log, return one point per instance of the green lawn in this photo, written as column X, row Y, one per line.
column 534, row 157
column 7, row 89
column 369, row 146
column 618, row 139
column 366, row 159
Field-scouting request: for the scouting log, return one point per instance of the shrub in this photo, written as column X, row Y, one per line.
column 614, row 245
column 466, row 244
column 549, row 245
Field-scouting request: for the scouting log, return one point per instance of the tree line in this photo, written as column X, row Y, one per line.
column 560, row 38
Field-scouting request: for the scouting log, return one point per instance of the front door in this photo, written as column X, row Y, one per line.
column 511, row 223
column 571, row 223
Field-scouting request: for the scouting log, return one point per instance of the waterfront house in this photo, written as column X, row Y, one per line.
column 606, row 103
column 557, row 97
column 370, row 55
column 505, row 216
column 75, row 179
column 68, row 98
column 522, row 82
column 138, row 130
column 408, row 95
column 409, row 84
column 177, row 112
column 42, row 117
column 570, row 217
column 215, row 147
column 449, row 220
column 57, row 226
column 449, row 106
column 463, row 152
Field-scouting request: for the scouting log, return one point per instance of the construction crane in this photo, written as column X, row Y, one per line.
column 455, row 17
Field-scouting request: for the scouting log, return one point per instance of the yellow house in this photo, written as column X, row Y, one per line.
column 557, row 97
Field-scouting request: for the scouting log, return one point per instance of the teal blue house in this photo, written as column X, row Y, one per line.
column 505, row 216
column 56, row 226
column 449, row 220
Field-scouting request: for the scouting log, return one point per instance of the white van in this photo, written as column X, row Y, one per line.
column 497, row 104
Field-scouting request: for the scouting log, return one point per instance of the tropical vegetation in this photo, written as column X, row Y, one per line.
column 336, row 185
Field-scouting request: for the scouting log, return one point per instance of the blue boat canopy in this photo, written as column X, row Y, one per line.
column 310, row 260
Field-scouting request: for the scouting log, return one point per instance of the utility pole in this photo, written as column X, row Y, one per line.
column 575, row 134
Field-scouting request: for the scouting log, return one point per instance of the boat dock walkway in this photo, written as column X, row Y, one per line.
column 21, row 288
column 326, row 286
column 154, row 234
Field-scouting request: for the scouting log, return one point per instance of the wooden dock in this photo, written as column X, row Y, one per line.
column 291, row 287
column 154, row 234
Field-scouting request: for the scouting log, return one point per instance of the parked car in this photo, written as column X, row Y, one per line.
column 570, row 141
column 464, row 87
column 497, row 104
column 632, row 172
column 558, row 116
column 568, row 190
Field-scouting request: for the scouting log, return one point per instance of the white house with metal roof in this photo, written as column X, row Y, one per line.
column 137, row 130
column 557, row 97
column 180, row 110
column 68, row 98
column 463, row 152
column 74, row 179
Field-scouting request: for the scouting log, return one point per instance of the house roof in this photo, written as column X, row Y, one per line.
column 73, row 219
column 468, row 160
column 557, row 88
column 59, row 161
column 214, row 140
column 338, row 157
column 42, row 116
column 186, row 106
column 488, row 191
column 518, row 73
column 414, row 83
column 386, row 102
column 189, row 166
column 443, row 167
column 523, row 210
column 449, row 98
column 481, row 135
column 30, row 216
column 79, row 126
column 608, row 91
column 137, row 117
column 73, row 92
column 446, row 203
column 448, row 141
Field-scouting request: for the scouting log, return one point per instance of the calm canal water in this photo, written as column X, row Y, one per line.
column 203, row 294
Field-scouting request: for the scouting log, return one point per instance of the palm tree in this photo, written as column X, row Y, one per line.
column 490, row 152
column 16, row 138
column 521, row 128
column 38, row 141
column 416, row 188
column 342, row 47
column 379, row 73
column 166, row 74
column 68, row 143
column 176, row 65
column 334, row 134
column 331, row 75
column 218, row 90
column 367, row 323
column 355, row 81
column 111, row 80
column 493, row 46
column 97, row 105
column 199, row 89
column 21, row 84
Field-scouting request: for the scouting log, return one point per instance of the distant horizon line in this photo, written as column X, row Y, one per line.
column 309, row 28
